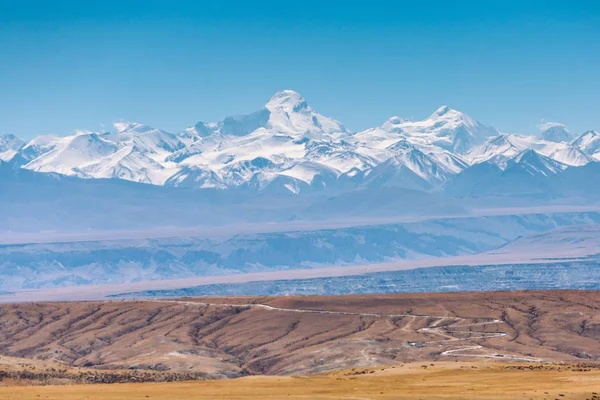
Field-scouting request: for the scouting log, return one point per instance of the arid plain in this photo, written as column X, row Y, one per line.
column 461, row 345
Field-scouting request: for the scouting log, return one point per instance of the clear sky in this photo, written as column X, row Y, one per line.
column 67, row 65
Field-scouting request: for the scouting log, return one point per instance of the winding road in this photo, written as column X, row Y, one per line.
column 443, row 332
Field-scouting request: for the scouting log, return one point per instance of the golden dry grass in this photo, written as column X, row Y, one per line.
column 448, row 380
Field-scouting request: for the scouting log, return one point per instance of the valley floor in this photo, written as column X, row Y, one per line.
column 444, row 380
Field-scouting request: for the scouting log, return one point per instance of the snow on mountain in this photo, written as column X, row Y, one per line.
column 10, row 142
column 285, row 133
column 145, row 138
column 571, row 155
column 409, row 167
column 535, row 163
column 277, row 148
column 380, row 137
column 34, row 148
column 279, row 185
column 339, row 154
column 429, row 162
column 128, row 163
column 235, row 125
column 287, row 112
column 555, row 132
column 446, row 128
column 142, row 157
column 287, row 145
column 589, row 143
column 238, row 173
column 528, row 173
column 73, row 152
column 195, row 147
column 439, row 139
column 291, row 114
column 134, row 152
column 196, row 177
column 499, row 150
column 451, row 162
column 9, row 145
column 309, row 171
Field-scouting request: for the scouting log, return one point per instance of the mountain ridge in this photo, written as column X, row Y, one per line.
column 287, row 143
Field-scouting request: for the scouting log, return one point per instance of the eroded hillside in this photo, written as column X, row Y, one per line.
column 228, row 337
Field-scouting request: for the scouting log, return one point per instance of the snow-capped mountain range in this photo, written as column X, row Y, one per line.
column 289, row 146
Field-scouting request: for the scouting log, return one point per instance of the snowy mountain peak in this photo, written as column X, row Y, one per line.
column 590, row 134
column 501, row 140
column 452, row 116
column 571, row 155
column 452, row 130
column 131, row 126
column 589, row 143
column 408, row 168
column 290, row 114
column 287, row 100
column 79, row 132
column 527, row 156
column 394, row 124
column 555, row 132
column 395, row 120
column 9, row 144
column 288, row 144
column 443, row 110
column 446, row 128
column 499, row 150
column 535, row 163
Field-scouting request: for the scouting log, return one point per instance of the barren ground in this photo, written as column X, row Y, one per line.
column 231, row 337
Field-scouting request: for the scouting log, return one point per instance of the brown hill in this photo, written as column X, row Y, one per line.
column 228, row 337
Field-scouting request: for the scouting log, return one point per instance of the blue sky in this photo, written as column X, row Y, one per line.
column 69, row 65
